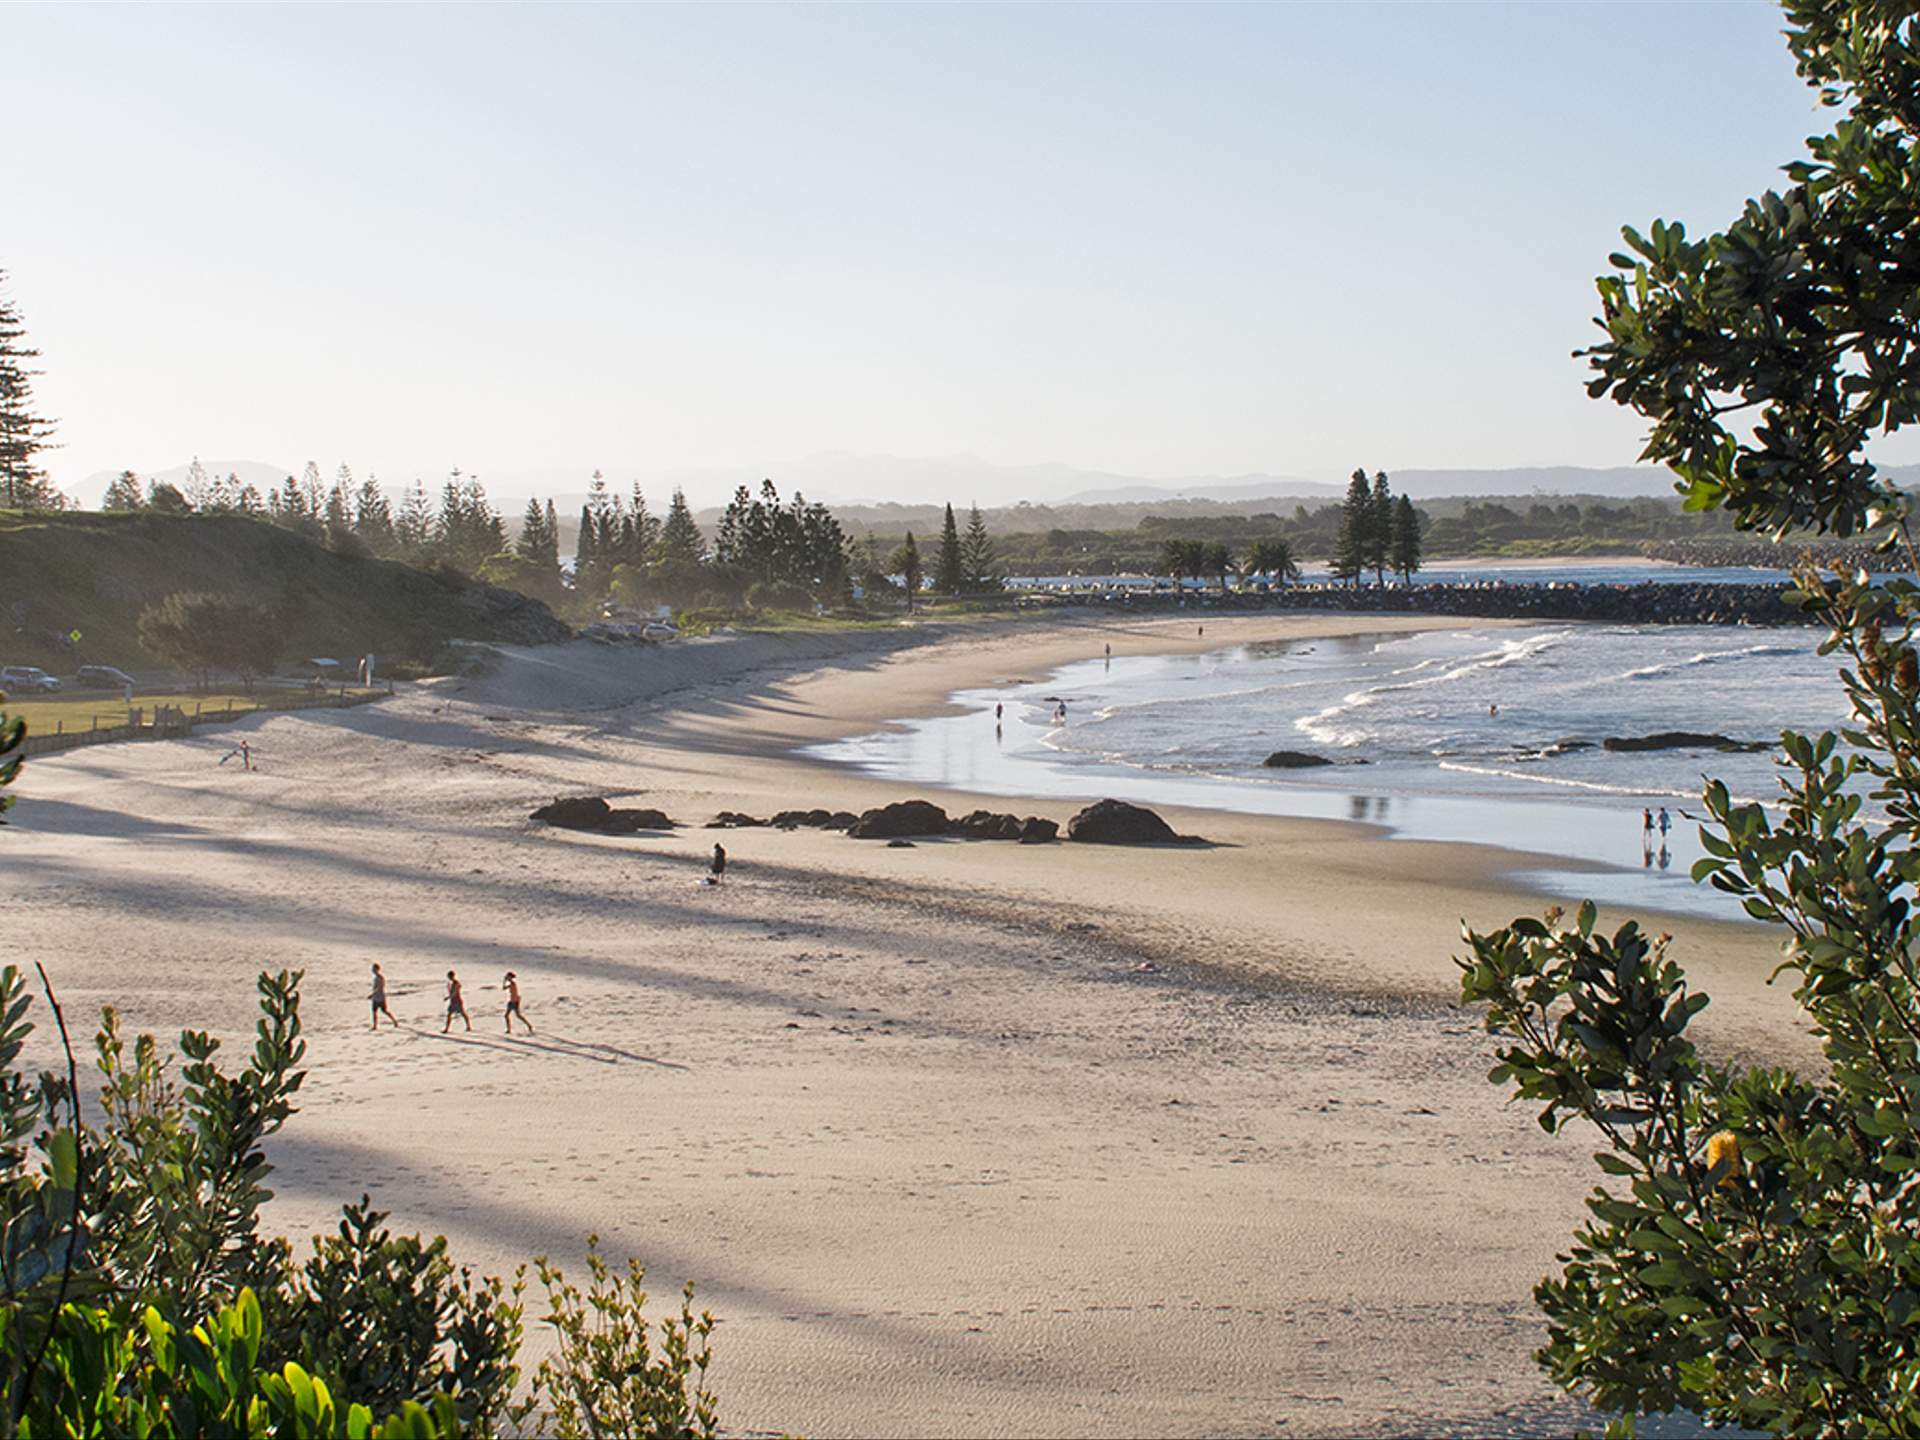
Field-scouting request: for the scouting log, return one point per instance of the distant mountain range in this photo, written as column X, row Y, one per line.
column 1620, row 482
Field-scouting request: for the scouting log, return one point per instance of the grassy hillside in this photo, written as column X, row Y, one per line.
column 95, row 573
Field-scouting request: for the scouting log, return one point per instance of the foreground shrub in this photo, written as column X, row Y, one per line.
column 106, row 1373
column 608, row 1377
column 157, row 1207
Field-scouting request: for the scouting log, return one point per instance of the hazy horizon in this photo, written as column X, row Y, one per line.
column 1154, row 242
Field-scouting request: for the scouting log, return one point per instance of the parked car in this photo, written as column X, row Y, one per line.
column 101, row 677
column 659, row 630
column 27, row 680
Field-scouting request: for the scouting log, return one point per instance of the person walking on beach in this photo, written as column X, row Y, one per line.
column 1646, row 825
column 1665, row 823
column 456, row 1004
column 998, row 710
column 513, row 1005
column 377, row 997
column 719, row 864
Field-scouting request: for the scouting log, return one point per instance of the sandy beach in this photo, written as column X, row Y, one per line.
column 962, row 1138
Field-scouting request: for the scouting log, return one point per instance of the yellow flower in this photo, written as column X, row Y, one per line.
column 1723, row 1147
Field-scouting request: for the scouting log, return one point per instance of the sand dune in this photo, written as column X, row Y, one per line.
column 957, row 1139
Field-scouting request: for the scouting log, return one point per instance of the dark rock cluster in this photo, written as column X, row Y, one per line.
column 1114, row 822
column 1109, row 822
column 592, row 812
column 1306, row 760
column 1681, row 740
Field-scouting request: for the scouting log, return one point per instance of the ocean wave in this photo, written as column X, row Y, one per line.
column 1597, row 787
column 1510, row 652
column 1709, row 657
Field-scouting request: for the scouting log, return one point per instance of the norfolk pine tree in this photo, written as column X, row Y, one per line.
column 586, row 566
column 1380, row 528
column 24, row 433
column 906, row 560
column 950, row 571
column 1403, row 551
column 977, row 557
column 681, row 542
column 1353, row 547
column 123, row 493
column 1756, row 1258
column 373, row 519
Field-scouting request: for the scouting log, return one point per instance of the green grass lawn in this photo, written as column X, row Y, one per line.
column 79, row 712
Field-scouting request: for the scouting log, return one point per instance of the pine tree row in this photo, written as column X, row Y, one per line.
column 1377, row 533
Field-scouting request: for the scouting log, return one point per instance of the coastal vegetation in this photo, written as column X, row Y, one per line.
column 79, row 583
column 1132, row 538
column 140, row 1296
column 1754, row 1258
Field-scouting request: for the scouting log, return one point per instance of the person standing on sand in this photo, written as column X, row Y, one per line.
column 377, row 998
column 1646, row 825
column 456, row 1005
column 513, row 1005
column 1665, row 823
column 719, row 864
column 998, row 710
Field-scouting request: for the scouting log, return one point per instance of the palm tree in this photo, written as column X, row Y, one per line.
column 1219, row 560
column 1274, row 559
column 1173, row 560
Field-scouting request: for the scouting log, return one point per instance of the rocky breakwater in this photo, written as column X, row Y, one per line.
column 1647, row 603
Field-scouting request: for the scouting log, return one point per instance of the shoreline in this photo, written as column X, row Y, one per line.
column 963, row 1138
column 922, row 751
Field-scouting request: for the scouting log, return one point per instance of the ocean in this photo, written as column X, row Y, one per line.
column 1481, row 734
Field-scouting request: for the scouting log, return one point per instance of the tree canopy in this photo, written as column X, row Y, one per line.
column 208, row 633
column 1757, row 1257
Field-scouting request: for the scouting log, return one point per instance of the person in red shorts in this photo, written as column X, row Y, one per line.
column 456, row 1005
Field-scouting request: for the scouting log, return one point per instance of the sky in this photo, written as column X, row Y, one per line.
column 1155, row 240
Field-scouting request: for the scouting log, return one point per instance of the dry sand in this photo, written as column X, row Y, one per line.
column 957, row 1139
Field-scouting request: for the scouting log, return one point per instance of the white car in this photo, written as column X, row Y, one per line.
column 28, row 680
column 659, row 630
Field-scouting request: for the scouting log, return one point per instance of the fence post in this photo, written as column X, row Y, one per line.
column 59, row 726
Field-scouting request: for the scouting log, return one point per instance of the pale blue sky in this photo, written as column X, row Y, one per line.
column 1160, row 240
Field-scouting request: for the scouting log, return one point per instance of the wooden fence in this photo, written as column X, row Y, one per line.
column 170, row 721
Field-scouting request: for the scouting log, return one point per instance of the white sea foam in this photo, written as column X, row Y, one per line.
column 1565, row 782
column 1710, row 657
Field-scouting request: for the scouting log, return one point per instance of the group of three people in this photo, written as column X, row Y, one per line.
column 456, row 1002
